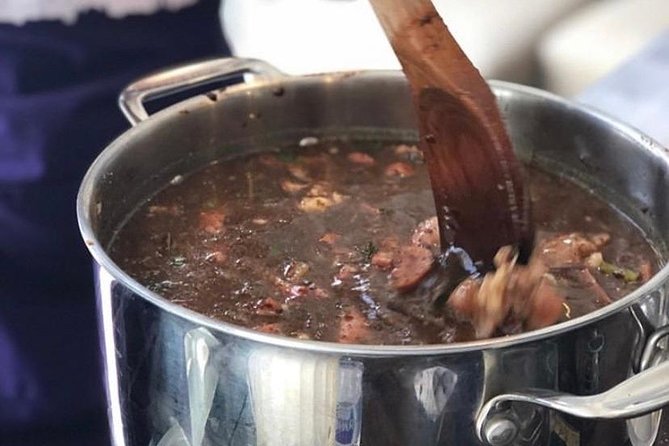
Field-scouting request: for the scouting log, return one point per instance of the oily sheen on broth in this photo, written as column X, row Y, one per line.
column 332, row 242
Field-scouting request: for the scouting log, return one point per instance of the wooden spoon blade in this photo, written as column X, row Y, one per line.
column 476, row 178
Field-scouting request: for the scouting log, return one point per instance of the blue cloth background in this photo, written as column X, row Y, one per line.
column 58, row 90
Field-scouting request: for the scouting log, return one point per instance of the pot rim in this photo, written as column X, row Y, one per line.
column 103, row 260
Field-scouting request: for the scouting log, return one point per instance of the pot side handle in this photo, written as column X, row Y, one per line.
column 638, row 395
column 184, row 77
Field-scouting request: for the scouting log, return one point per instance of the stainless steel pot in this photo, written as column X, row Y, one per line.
column 177, row 378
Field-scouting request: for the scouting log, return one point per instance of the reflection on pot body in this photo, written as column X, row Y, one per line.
column 219, row 389
column 176, row 378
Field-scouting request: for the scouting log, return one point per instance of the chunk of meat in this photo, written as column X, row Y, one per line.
column 411, row 153
column 399, row 169
column 295, row 270
column 645, row 270
column 581, row 284
column 522, row 293
column 299, row 172
column 219, row 257
column 319, row 198
column 426, row 234
column 316, row 204
column 546, row 305
column 329, row 238
column 347, row 271
column 493, row 301
column 361, row 158
column 212, row 221
column 320, row 189
column 463, row 298
column 268, row 307
column 297, row 291
column 594, row 260
column 292, row 187
column 353, row 328
column 383, row 260
column 570, row 249
column 523, row 284
column 272, row 328
column 413, row 264
column 390, row 243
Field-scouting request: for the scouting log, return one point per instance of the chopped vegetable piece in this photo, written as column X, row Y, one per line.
column 316, row 204
column 367, row 251
column 399, row 169
column 295, row 271
column 625, row 274
column 178, row 261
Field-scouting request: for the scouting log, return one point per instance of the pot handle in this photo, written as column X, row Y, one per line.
column 181, row 78
column 645, row 392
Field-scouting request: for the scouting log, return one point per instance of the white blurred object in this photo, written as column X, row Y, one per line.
column 175, row 436
column 638, row 92
column 202, row 375
column 308, row 36
column 596, row 39
column 294, row 397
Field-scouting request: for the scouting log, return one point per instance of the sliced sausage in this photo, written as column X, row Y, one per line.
column 426, row 234
column 299, row 172
column 570, row 249
column 413, row 264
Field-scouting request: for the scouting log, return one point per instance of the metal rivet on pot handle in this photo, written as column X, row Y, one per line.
column 181, row 78
column 500, row 430
column 641, row 394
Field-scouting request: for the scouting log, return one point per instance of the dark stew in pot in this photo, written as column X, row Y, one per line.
column 339, row 243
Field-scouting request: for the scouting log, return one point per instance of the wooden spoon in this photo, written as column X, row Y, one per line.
column 477, row 181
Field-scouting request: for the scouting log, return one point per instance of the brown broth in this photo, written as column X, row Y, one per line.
column 229, row 242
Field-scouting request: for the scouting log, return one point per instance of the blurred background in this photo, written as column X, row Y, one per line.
column 562, row 46
column 610, row 54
